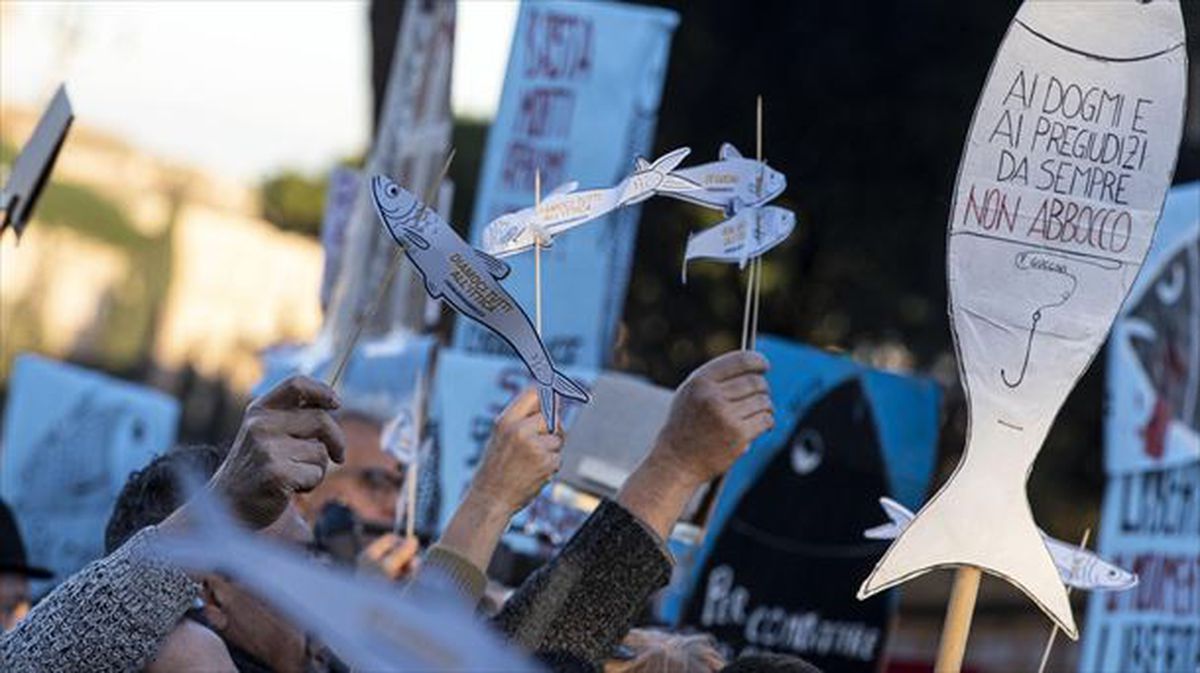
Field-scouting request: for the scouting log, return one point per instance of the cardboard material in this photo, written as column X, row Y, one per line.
column 731, row 183
column 748, row 234
column 1078, row 568
column 564, row 208
column 581, row 98
column 32, row 167
column 71, row 439
column 468, row 280
column 611, row 435
column 1062, row 180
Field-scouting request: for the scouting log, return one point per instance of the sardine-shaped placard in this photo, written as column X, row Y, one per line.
column 469, row 280
column 1079, row 568
column 564, row 208
column 732, row 183
column 1062, row 179
column 749, row 234
column 31, row 169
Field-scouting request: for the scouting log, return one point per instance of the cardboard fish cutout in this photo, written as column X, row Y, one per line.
column 748, row 234
column 564, row 208
column 468, row 279
column 32, row 167
column 369, row 624
column 732, row 183
column 1061, row 184
column 784, row 566
column 1079, row 568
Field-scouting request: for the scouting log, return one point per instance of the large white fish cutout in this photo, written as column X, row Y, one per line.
column 746, row 235
column 468, row 279
column 32, row 167
column 1062, row 179
column 564, row 208
column 1078, row 568
column 732, row 183
column 369, row 624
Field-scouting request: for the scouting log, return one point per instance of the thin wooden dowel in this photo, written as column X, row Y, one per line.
column 747, row 305
column 756, row 275
column 397, row 257
column 958, row 620
column 1054, row 629
column 410, row 509
column 537, row 254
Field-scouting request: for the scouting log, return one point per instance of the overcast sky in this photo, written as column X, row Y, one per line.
column 238, row 88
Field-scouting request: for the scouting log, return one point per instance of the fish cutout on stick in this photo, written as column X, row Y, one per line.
column 565, row 208
column 31, row 169
column 371, row 625
column 469, row 280
column 1077, row 567
column 731, row 183
column 1063, row 176
column 750, row 233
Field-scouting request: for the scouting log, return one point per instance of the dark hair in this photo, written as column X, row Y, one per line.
column 770, row 663
column 153, row 492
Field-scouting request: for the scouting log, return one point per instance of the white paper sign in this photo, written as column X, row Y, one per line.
column 749, row 234
column 32, row 167
column 1062, row 180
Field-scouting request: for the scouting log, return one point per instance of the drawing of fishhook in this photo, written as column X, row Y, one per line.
column 1037, row 315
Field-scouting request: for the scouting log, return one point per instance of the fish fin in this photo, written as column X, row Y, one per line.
column 499, row 269
column 641, row 165
column 564, row 188
column 669, row 161
column 886, row 531
column 948, row 532
column 433, row 289
column 899, row 514
column 728, row 151
column 686, row 258
column 674, row 182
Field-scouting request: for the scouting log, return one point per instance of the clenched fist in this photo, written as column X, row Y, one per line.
column 521, row 455
column 715, row 414
column 286, row 441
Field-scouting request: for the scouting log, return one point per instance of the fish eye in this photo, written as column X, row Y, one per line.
column 393, row 190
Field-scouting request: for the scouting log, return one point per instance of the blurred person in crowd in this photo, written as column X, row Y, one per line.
column 656, row 651
column 770, row 663
column 116, row 613
column 368, row 482
column 15, row 572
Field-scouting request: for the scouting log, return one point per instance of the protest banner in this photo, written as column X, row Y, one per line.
column 344, row 184
column 581, row 96
column 410, row 145
column 1150, row 520
column 31, row 169
column 785, row 551
column 71, row 439
column 1063, row 176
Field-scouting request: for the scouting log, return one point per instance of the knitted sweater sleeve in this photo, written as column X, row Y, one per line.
column 582, row 603
column 110, row 616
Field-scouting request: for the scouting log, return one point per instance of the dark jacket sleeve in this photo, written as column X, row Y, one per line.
column 583, row 602
column 111, row 616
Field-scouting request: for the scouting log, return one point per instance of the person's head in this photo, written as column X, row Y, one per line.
column 242, row 621
column 15, row 572
column 655, row 651
column 369, row 480
column 770, row 663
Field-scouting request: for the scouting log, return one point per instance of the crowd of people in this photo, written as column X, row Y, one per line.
column 298, row 457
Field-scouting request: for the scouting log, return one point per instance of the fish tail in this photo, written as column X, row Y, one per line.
column 981, row 522
column 561, row 387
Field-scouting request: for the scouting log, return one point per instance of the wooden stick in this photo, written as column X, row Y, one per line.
column 410, row 510
column 1054, row 629
column 756, row 264
column 756, row 276
column 394, row 266
column 537, row 254
column 958, row 620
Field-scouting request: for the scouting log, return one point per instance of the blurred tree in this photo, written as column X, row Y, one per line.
column 294, row 201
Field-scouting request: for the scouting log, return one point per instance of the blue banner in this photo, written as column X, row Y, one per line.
column 580, row 102
column 784, row 554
